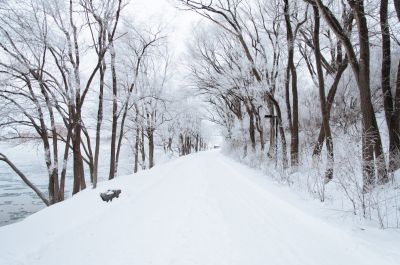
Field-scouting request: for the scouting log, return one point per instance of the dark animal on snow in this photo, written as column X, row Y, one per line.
column 109, row 195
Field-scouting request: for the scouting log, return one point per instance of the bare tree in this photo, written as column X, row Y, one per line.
column 371, row 139
column 390, row 100
column 102, row 19
column 140, row 46
column 291, row 74
column 226, row 16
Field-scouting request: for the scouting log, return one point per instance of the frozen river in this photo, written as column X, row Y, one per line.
column 16, row 199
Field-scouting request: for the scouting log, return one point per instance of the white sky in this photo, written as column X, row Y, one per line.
column 154, row 12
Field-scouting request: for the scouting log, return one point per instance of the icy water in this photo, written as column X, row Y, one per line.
column 17, row 200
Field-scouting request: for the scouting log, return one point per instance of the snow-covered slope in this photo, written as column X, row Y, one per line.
column 200, row 209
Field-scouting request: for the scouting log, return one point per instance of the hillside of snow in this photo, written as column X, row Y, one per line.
column 204, row 209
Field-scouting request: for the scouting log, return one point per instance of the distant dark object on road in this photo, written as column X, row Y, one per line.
column 109, row 195
column 216, row 146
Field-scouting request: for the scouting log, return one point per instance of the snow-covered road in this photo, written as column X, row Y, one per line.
column 200, row 209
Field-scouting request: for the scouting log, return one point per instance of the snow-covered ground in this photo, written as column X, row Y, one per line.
column 199, row 209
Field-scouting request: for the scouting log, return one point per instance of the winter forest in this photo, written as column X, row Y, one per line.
column 213, row 94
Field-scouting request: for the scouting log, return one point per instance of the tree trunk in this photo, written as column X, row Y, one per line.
column 396, row 112
column 271, row 149
column 98, row 125
column 285, row 161
column 259, row 128
column 324, row 108
column 120, row 137
column 371, row 131
column 169, row 146
column 181, row 145
column 294, row 121
column 137, row 139
column 252, row 131
column 397, row 7
column 114, row 114
column 142, row 150
column 79, row 177
column 188, row 146
column 65, row 164
column 395, row 153
column 391, row 115
column 150, row 135
column 197, row 143
column 330, row 99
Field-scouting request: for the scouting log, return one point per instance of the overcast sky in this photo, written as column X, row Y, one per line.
column 154, row 12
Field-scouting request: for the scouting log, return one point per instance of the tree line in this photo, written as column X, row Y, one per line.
column 255, row 59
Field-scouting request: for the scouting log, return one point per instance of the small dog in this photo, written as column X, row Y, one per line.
column 109, row 195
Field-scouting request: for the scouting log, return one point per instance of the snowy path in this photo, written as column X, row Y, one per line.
column 201, row 209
